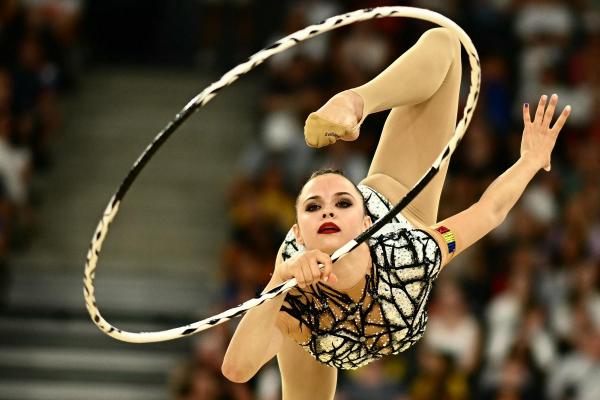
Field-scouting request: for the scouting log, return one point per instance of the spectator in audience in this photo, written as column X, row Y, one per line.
column 37, row 43
column 577, row 375
column 516, row 380
column 369, row 382
column 452, row 329
column 438, row 378
column 577, row 308
column 514, row 317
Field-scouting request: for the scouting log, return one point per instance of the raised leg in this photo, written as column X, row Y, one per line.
column 422, row 89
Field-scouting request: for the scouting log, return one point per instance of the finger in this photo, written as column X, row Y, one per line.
column 326, row 271
column 315, row 272
column 526, row 114
column 325, row 258
column 332, row 278
column 301, row 275
column 550, row 111
column 308, row 274
column 539, row 113
column 560, row 122
column 314, row 268
column 323, row 273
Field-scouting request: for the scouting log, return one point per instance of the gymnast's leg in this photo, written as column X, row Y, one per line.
column 421, row 88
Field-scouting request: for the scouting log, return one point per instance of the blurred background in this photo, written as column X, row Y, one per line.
column 85, row 86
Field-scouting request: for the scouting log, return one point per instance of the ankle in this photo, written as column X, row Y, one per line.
column 352, row 102
column 357, row 103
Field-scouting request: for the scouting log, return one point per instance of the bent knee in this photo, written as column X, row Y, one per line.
column 445, row 39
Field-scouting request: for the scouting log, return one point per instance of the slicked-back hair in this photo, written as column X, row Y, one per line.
column 325, row 171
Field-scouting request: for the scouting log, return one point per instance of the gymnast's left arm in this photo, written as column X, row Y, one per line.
column 457, row 233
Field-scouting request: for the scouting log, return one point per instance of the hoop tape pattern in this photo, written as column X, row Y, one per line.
column 210, row 92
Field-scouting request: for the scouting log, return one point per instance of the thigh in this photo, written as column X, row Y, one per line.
column 412, row 138
column 303, row 377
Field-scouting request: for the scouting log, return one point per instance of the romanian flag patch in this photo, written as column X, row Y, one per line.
column 448, row 237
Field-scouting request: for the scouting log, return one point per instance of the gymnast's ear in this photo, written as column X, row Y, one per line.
column 298, row 235
column 367, row 222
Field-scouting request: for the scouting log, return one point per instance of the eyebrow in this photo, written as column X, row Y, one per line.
column 336, row 194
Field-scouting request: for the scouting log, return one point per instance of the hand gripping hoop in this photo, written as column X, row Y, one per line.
column 211, row 91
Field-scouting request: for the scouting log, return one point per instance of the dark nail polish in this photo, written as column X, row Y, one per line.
column 526, row 104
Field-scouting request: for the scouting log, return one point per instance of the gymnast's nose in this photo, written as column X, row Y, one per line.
column 330, row 215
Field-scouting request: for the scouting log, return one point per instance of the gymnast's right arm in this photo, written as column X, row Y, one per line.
column 261, row 331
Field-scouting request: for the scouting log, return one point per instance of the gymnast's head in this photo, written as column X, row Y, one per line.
column 330, row 211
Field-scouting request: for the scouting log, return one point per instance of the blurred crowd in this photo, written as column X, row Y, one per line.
column 37, row 41
column 517, row 316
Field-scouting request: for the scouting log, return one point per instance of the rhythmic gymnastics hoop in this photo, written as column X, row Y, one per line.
column 211, row 91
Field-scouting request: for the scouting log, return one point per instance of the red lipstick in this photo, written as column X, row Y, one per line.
column 328, row 227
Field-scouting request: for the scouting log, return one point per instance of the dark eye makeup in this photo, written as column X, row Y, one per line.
column 343, row 203
column 312, row 207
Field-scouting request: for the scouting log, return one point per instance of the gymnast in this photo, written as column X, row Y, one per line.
column 372, row 301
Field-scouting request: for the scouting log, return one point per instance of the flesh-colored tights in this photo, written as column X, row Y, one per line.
column 421, row 88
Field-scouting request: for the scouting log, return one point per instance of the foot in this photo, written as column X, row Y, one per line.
column 336, row 119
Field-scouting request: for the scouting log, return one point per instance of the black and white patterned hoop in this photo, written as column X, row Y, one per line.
column 211, row 91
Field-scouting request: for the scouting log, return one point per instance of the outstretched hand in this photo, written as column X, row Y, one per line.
column 538, row 138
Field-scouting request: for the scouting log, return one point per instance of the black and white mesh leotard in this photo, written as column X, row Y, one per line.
column 388, row 314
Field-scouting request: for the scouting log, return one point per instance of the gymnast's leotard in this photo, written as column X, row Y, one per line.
column 389, row 315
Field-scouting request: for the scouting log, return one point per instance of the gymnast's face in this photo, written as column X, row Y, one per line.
column 329, row 213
